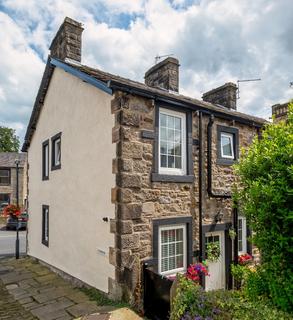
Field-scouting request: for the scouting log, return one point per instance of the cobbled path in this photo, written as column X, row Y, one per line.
column 29, row 290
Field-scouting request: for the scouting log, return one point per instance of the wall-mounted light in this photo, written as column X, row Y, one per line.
column 218, row 217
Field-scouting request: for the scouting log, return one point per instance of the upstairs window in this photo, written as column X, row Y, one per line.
column 5, row 177
column 227, row 145
column 56, row 151
column 172, row 142
column 45, row 160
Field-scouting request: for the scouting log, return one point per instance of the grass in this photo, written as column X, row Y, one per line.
column 101, row 299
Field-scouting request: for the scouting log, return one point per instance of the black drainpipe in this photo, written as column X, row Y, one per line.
column 210, row 172
column 200, row 180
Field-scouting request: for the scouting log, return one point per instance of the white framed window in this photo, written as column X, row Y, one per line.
column 242, row 239
column 227, row 145
column 172, row 249
column 172, row 142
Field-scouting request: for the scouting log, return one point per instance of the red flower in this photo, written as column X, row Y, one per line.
column 195, row 271
column 244, row 258
column 11, row 210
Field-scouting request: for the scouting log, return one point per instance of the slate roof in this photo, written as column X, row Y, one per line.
column 7, row 159
column 124, row 84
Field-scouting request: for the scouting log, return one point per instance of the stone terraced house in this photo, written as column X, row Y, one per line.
column 8, row 189
column 123, row 173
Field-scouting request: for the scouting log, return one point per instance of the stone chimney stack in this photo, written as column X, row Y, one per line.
column 67, row 42
column 224, row 95
column 164, row 75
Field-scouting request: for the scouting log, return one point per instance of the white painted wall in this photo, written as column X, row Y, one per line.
column 79, row 194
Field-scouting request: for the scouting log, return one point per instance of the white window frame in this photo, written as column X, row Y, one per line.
column 174, row 171
column 230, row 136
column 173, row 227
column 244, row 235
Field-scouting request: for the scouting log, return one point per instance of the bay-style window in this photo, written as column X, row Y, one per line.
column 56, row 152
column 172, row 249
column 172, row 142
column 45, row 160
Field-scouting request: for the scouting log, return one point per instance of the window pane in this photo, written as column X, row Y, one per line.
column 171, row 148
column 177, row 150
column 177, row 123
column 4, row 173
column 164, row 161
column 172, row 235
column 170, row 122
column 163, row 134
column 171, row 162
column 177, row 135
column 172, row 249
column 226, row 143
column 179, row 234
column 164, row 236
column 164, row 250
column 179, row 261
column 164, row 265
column 163, row 147
column 171, row 135
column 172, row 263
column 179, row 248
column 163, row 120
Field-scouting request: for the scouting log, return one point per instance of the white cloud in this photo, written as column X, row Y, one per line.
column 216, row 41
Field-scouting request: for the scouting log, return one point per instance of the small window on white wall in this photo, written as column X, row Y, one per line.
column 172, row 142
column 242, row 239
column 172, row 249
column 56, row 151
column 227, row 145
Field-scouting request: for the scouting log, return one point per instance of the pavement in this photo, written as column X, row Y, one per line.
column 7, row 241
column 29, row 290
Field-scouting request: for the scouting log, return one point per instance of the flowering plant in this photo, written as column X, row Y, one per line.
column 11, row 210
column 244, row 258
column 195, row 271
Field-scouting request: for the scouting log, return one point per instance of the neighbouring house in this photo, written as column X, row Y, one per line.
column 280, row 111
column 8, row 178
column 123, row 173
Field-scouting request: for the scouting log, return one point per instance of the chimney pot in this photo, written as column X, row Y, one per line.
column 164, row 75
column 224, row 95
column 67, row 41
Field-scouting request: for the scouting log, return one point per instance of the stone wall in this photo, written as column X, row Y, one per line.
column 11, row 189
column 139, row 200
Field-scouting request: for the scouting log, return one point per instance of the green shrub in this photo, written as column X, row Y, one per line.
column 265, row 196
column 192, row 302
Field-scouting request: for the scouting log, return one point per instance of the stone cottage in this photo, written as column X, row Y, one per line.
column 8, row 185
column 123, row 173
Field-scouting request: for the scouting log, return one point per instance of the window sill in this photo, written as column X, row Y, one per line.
column 56, row 167
column 226, row 162
column 157, row 177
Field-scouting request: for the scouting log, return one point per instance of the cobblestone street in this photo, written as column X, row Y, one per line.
column 29, row 290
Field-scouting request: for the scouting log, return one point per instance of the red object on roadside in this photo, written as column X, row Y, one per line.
column 11, row 210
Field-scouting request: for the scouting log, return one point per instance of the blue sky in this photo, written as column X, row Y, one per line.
column 216, row 41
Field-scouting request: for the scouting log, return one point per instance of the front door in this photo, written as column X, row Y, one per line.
column 216, row 278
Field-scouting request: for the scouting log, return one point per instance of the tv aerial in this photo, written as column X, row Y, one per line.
column 158, row 58
column 245, row 80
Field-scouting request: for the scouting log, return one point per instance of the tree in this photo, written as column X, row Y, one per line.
column 9, row 142
column 265, row 196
